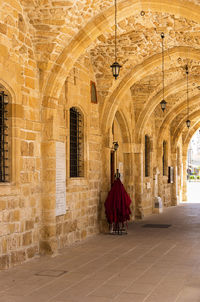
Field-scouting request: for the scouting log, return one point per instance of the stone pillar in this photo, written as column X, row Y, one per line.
column 184, row 178
column 138, row 163
column 128, row 179
column 48, row 240
column 105, row 182
column 174, row 185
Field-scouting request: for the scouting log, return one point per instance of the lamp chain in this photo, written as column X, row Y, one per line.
column 187, row 72
column 115, row 30
column 162, row 36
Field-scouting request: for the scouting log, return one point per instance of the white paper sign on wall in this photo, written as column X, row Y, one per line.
column 60, row 179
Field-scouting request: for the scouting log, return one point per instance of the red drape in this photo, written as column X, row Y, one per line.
column 117, row 204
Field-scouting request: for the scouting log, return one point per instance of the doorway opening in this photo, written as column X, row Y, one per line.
column 193, row 169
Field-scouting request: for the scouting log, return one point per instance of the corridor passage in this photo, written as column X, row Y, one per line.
column 149, row 264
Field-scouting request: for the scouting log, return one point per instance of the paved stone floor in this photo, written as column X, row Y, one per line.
column 148, row 264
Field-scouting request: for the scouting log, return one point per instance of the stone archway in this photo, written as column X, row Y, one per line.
column 54, row 84
column 113, row 101
column 119, row 130
column 172, row 114
column 101, row 23
column 185, row 146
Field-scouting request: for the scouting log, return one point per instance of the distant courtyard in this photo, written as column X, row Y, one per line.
column 193, row 189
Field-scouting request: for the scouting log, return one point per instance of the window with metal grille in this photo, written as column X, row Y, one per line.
column 147, row 156
column 3, row 137
column 164, row 158
column 76, row 143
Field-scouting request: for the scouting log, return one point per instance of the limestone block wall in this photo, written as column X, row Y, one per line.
column 82, row 193
column 20, row 197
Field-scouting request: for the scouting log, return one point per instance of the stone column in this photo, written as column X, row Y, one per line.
column 128, row 179
column 48, row 240
column 138, row 164
column 105, row 181
column 174, row 185
column 184, row 178
column 155, row 182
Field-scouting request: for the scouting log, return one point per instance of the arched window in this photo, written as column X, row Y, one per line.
column 164, row 158
column 147, row 156
column 76, row 143
column 4, row 137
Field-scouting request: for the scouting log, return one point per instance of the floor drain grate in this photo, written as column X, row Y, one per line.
column 158, row 226
column 51, row 273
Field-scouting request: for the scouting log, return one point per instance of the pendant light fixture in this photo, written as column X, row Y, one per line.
column 115, row 66
column 188, row 122
column 163, row 102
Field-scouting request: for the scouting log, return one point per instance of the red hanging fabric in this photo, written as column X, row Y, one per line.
column 117, row 204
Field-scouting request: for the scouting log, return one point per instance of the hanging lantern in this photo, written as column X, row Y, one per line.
column 115, row 66
column 188, row 123
column 163, row 105
column 115, row 69
column 115, row 145
column 163, row 102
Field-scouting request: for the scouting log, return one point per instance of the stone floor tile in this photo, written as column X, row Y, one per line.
column 7, row 298
column 151, row 278
column 189, row 294
column 139, row 288
column 121, row 281
column 108, row 291
column 102, row 275
column 81, row 289
column 130, row 297
column 92, row 298
column 164, row 293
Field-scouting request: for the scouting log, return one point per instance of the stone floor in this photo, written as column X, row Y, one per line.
column 148, row 264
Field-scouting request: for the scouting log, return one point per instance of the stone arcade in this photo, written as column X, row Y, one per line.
column 52, row 55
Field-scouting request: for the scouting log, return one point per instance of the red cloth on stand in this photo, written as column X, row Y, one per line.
column 117, row 204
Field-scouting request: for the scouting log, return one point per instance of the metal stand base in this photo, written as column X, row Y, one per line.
column 118, row 229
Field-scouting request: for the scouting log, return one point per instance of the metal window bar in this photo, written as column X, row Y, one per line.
column 147, row 156
column 3, row 138
column 76, row 143
column 164, row 158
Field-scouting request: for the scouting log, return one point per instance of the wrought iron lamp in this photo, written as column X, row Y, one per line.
column 115, row 66
column 188, row 122
column 163, row 102
column 115, row 146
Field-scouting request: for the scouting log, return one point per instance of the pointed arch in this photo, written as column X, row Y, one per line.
column 101, row 23
column 136, row 74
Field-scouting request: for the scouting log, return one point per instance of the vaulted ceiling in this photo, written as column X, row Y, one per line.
column 57, row 23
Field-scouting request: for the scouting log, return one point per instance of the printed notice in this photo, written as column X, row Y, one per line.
column 60, row 179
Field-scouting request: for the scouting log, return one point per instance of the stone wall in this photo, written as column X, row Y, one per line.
column 82, row 195
column 50, row 51
column 20, row 197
